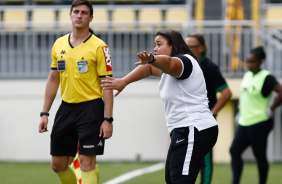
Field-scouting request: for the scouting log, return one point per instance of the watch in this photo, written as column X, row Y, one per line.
column 153, row 60
column 44, row 113
column 109, row 119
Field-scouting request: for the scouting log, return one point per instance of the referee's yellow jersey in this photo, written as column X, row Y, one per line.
column 81, row 68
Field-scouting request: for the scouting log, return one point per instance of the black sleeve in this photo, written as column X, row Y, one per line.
column 53, row 68
column 218, row 81
column 188, row 67
column 104, row 76
column 268, row 85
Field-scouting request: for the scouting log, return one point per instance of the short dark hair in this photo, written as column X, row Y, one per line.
column 175, row 39
column 258, row 52
column 201, row 39
column 82, row 2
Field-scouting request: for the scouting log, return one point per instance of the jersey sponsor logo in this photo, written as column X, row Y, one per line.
column 108, row 58
column 82, row 66
column 178, row 141
column 249, row 89
column 88, row 146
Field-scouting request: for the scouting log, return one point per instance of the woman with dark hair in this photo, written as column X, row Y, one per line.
column 192, row 127
column 255, row 121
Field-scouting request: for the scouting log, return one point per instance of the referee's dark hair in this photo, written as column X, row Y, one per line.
column 82, row 2
column 201, row 39
column 258, row 52
column 175, row 39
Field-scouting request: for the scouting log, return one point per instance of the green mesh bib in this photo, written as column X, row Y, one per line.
column 252, row 103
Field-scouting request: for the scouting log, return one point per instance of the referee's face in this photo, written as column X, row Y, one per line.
column 80, row 16
column 161, row 46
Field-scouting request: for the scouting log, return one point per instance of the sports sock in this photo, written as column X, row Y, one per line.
column 89, row 177
column 67, row 177
column 97, row 172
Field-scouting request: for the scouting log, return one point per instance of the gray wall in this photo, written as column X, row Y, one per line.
column 139, row 127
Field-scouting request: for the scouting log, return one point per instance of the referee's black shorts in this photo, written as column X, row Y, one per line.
column 81, row 121
column 186, row 153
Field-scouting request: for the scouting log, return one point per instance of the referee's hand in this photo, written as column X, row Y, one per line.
column 43, row 124
column 106, row 130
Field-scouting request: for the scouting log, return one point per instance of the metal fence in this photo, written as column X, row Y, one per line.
column 272, row 41
column 27, row 54
column 223, row 38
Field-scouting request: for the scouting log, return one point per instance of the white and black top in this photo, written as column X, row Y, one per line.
column 185, row 97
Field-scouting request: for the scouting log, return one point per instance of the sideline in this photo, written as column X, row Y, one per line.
column 138, row 172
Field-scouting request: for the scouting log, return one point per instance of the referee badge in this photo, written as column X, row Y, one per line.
column 61, row 65
column 82, row 66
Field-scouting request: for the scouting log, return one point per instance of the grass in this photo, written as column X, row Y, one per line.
column 222, row 175
column 29, row 173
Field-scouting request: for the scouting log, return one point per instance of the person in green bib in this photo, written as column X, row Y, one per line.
column 255, row 120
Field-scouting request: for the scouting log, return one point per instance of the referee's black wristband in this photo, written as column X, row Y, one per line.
column 153, row 60
column 44, row 113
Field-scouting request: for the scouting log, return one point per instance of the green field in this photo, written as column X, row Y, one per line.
column 32, row 173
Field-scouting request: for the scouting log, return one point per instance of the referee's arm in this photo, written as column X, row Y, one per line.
column 106, row 129
column 51, row 89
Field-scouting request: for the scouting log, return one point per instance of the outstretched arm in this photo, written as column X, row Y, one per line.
column 167, row 64
column 138, row 73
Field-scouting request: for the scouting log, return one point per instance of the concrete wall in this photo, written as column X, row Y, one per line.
column 226, row 125
column 139, row 128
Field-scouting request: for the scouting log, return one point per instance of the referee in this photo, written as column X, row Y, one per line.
column 79, row 61
column 215, row 83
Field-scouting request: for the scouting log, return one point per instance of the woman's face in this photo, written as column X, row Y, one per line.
column 195, row 46
column 253, row 63
column 161, row 46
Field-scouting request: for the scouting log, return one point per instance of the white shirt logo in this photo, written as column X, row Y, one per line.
column 178, row 141
column 88, row 146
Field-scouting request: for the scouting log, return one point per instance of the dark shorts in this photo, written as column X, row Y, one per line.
column 186, row 153
column 75, row 122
